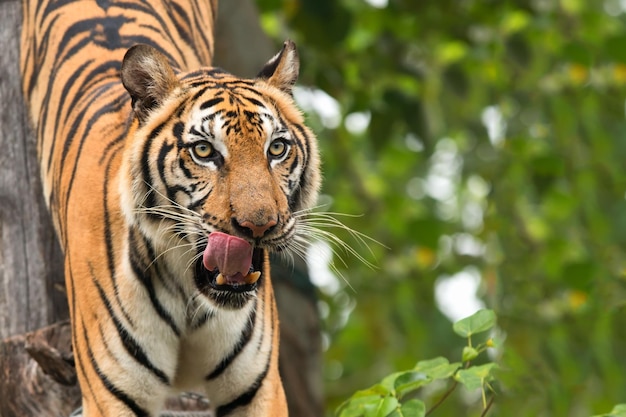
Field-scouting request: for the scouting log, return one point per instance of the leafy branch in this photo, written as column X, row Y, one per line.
column 394, row 395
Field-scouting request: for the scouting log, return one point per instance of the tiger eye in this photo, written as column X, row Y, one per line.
column 203, row 150
column 277, row 148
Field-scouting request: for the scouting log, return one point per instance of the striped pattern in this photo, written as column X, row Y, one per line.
column 133, row 202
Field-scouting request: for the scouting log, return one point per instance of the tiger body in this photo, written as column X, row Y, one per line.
column 144, row 154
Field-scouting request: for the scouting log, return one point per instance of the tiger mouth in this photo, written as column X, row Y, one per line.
column 214, row 280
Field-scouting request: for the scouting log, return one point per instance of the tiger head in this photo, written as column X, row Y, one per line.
column 218, row 168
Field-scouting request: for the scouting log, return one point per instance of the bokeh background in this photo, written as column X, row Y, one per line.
column 483, row 144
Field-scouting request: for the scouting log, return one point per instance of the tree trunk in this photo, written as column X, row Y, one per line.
column 46, row 387
column 32, row 291
column 36, row 368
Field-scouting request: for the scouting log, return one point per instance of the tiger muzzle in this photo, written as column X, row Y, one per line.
column 229, row 270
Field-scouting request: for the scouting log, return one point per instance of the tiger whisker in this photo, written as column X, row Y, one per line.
column 335, row 242
column 327, row 219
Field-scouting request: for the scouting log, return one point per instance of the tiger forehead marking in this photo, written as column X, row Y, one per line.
column 235, row 119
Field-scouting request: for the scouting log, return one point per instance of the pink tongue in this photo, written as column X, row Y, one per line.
column 229, row 254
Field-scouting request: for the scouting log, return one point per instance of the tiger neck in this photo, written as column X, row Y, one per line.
column 154, row 259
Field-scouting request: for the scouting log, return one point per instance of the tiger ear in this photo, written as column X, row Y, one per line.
column 282, row 70
column 148, row 77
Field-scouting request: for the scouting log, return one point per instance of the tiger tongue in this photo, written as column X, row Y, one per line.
column 231, row 255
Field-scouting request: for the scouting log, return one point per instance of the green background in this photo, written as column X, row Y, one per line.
column 534, row 205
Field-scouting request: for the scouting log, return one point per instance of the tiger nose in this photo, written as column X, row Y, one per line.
column 255, row 230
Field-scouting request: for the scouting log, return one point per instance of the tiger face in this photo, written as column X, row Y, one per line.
column 219, row 168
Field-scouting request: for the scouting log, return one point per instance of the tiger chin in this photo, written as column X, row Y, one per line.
column 213, row 171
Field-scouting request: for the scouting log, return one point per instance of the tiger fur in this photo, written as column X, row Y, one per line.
column 145, row 151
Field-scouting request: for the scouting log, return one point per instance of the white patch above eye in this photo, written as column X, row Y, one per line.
column 214, row 128
column 209, row 131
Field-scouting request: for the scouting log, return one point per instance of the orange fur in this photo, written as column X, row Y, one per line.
column 134, row 201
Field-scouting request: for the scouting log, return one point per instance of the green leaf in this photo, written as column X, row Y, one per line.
column 378, row 389
column 386, row 406
column 357, row 407
column 412, row 408
column 469, row 353
column 410, row 381
column 474, row 376
column 514, row 22
column 450, row 52
column 481, row 321
column 437, row 368
column 388, row 384
column 469, row 379
column 362, row 400
column 617, row 411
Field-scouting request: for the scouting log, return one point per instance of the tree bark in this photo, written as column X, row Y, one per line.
column 241, row 46
column 25, row 387
column 32, row 292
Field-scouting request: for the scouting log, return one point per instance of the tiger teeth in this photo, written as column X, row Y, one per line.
column 252, row 277
column 220, row 280
column 249, row 279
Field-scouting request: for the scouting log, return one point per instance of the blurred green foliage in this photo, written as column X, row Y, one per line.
column 485, row 136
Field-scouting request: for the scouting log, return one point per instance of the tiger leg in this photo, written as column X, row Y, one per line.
column 262, row 394
column 264, row 398
column 109, row 386
column 118, row 375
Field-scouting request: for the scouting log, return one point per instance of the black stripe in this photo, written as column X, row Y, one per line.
column 94, row 76
column 188, row 174
column 247, row 397
column 182, row 106
column 302, row 138
column 295, row 190
column 294, row 164
column 163, row 274
column 199, row 93
column 211, row 103
column 200, row 321
column 111, row 107
column 52, row 6
column 183, row 30
column 255, row 102
column 117, row 393
column 132, row 346
column 302, row 142
column 108, row 240
column 70, row 82
column 243, row 341
column 265, row 275
column 150, row 200
column 178, row 131
column 39, row 52
column 207, row 44
column 118, row 140
column 199, row 202
column 170, row 190
column 77, row 354
column 146, row 280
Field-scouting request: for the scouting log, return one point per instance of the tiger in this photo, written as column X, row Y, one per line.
column 169, row 182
